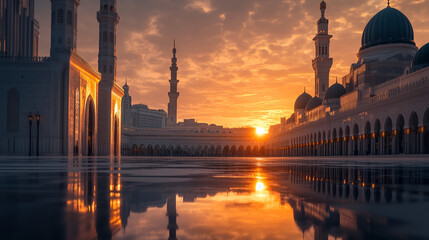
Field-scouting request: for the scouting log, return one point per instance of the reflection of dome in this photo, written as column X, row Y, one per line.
column 387, row 26
column 302, row 101
column 421, row 59
column 335, row 91
column 313, row 103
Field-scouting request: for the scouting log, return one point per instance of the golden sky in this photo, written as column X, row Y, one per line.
column 241, row 62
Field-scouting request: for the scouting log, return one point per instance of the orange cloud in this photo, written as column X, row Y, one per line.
column 240, row 62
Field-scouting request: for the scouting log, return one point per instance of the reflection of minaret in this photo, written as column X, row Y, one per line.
column 172, row 216
column 322, row 63
column 173, row 94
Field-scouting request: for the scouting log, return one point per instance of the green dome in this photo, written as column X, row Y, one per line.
column 302, row 100
column 387, row 26
column 421, row 59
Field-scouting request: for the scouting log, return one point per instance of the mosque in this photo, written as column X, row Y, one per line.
column 57, row 105
column 380, row 107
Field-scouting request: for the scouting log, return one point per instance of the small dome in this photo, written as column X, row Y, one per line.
column 387, row 26
column 335, row 91
column 291, row 119
column 302, row 100
column 313, row 103
column 323, row 5
column 421, row 59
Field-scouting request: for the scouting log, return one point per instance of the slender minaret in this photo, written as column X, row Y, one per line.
column 107, row 18
column 63, row 26
column 322, row 63
column 173, row 94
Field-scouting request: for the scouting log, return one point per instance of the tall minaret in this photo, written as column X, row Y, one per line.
column 322, row 63
column 107, row 18
column 63, row 26
column 173, row 94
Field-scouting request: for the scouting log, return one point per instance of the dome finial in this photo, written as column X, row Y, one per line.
column 388, row 3
column 336, row 79
column 304, row 89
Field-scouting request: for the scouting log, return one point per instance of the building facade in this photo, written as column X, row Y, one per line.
column 380, row 107
column 140, row 115
column 51, row 104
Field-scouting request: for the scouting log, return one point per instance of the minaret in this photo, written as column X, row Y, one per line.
column 63, row 26
column 107, row 18
column 322, row 63
column 173, row 94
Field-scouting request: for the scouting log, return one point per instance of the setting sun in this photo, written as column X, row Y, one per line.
column 260, row 131
column 259, row 186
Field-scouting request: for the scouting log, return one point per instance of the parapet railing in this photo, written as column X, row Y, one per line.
column 25, row 59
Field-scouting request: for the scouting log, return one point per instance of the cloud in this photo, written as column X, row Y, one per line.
column 241, row 62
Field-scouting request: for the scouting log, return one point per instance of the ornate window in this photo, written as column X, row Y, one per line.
column 60, row 16
column 104, row 36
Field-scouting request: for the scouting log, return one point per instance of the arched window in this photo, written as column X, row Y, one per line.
column 60, row 16
column 69, row 17
column 53, row 17
column 13, row 110
column 104, row 36
column 111, row 37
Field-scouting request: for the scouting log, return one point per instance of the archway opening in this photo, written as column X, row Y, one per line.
column 90, row 128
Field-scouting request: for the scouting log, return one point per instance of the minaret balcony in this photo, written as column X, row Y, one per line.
column 106, row 13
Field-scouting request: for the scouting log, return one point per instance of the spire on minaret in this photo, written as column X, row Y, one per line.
column 322, row 9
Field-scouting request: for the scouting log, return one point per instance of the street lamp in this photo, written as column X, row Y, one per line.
column 38, row 123
column 30, row 121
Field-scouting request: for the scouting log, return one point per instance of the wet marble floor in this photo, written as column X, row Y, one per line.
column 214, row 198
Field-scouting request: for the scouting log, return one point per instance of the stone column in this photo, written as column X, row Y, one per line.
column 421, row 139
column 394, row 142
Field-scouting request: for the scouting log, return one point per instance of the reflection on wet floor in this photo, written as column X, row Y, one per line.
column 208, row 198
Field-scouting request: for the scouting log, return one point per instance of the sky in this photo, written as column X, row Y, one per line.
column 241, row 62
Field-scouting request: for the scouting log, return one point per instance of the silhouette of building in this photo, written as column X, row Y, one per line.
column 19, row 31
column 140, row 115
column 380, row 107
column 59, row 105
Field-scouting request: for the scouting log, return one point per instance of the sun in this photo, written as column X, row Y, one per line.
column 260, row 131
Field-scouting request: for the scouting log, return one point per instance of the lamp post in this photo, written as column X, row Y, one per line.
column 30, row 121
column 38, row 124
